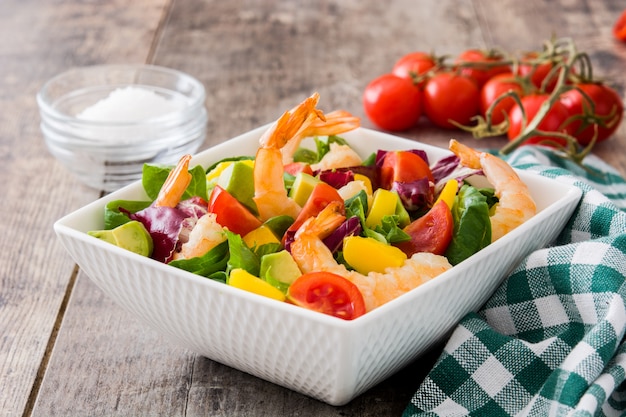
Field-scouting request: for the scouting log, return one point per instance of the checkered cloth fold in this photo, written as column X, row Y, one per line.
column 550, row 341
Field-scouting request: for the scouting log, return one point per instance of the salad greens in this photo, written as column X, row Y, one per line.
column 470, row 212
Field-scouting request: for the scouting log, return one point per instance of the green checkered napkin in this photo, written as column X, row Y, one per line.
column 550, row 341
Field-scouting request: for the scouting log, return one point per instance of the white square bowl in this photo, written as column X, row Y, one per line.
column 323, row 357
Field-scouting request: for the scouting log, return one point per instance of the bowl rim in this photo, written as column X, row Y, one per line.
column 195, row 105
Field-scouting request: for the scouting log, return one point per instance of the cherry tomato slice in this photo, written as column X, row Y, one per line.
column 294, row 168
column 327, row 293
column 230, row 213
column 430, row 233
column 403, row 166
column 393, row 103
column 322, row 195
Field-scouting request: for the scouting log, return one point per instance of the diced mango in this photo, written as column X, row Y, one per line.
column 383, row 204
column 448, row 193
column 260, row 236
column 366, row 254
column 242, row 279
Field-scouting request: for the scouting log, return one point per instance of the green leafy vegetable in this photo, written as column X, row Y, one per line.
column 241, row 256
column 472, row 227
column 114, row 217
column 208, row 265
column 153, row 177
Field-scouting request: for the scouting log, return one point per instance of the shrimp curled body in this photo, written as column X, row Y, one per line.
column 205, row 235
column 515, row 204
column 270, row 195
column 311, row 254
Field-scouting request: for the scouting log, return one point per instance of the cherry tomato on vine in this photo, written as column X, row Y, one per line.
column 414, row 64
column 495, row 87
column 619, row 28
column 538, row 70
column 393, row 103
column 553, row 121
column 448, row 96
column 607, row 105
column 481, row 74
column 327, row 293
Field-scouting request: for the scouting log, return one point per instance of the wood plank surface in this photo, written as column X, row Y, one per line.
column 65, row 348
column 41, row 39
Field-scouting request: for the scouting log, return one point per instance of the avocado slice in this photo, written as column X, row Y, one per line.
column 238, row 179
column 302, row 187
column 279, row 269
column 131, row 236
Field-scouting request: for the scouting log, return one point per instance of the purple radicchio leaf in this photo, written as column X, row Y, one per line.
column 350, row 227
column 336, row 178
column 165, row 225
column 415, row 194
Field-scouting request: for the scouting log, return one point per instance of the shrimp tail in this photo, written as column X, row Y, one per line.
column 175, row 185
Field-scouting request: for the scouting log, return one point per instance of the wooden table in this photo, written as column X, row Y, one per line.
column 65, row 348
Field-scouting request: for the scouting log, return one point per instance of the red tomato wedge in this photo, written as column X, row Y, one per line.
column 327, row 293
column 322, row 195
column 430, row 233
column 403, row 166
column 294, row 168
column 231, row 213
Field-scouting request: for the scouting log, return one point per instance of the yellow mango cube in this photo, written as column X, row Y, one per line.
column 242, row 279
column 260, row 236
column 383, row 204
column 366, row 254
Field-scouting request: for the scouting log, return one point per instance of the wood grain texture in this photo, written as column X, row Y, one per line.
column 42, row 39
column 256, row 59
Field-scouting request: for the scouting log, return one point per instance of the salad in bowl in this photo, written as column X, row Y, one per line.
column 323, row 228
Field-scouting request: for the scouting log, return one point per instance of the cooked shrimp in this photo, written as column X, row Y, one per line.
column 515, row 204
column 175, row 185
column 206, row 234
column 270, row 195
column 311, row 254
column 335, row 123
column 339, row 156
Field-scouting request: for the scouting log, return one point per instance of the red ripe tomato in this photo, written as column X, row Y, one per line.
column 294, row 168
column 607, row 106
column 414, row 64
column 450, row 97
column 393, row 103
column 321, row 196
column 537, row 72
column 494, row 88
column 430, row 233
column 327, row 293
column 403, row 166
column 552, row 122
column 481, row 74
column 231, row 213
column 619, row 28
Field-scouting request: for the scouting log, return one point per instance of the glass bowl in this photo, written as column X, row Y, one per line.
column 104, row 122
